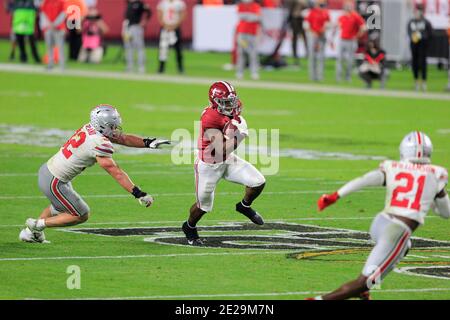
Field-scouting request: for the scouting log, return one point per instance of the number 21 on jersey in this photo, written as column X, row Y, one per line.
column 405, row 202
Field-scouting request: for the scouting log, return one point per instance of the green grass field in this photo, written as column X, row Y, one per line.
column 129, row 267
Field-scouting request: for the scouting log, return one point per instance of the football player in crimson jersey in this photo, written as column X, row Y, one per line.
column 413, row 187
column 222, row 129
column 90, row 144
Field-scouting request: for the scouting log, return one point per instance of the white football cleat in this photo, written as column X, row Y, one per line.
column 32, row 225
column 27, row 235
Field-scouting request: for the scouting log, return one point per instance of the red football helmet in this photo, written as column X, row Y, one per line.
column 222, row 96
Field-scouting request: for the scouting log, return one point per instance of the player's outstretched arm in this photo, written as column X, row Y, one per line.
column 370, row 179
column 131, row 140
column 442, row 204
column 122, row 178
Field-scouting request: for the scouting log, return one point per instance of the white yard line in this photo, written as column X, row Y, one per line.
column 181, row 194
column 140, row 256
column 147, row 172
column 255, row 294
column 283, row 86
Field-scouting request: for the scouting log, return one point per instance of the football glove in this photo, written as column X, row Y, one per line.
column 241, row 126
column 154, row 143
column 143, row 198
column 327, row 200
column 146, row 200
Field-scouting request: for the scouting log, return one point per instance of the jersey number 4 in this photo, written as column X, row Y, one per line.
column 410, row 181
column 75, row 141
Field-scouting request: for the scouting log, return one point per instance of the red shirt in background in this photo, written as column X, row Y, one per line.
column 270, row 3
column 253, row 9
column 350, row 24
column 52, row 9
column 317, row 18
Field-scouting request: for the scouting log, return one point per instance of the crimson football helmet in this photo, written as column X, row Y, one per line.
column 222, row 96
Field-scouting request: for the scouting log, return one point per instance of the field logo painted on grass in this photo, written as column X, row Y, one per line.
column 307, row 240
column 260, row 147
column 437, row 272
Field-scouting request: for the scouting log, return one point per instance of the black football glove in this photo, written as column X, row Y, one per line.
column 154, row 143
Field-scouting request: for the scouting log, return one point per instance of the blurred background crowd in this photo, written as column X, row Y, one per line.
column 364, row 38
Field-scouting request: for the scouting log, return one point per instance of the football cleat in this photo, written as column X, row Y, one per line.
column 26, row 235
column 249, row 213
column 192, row 236
column 32, row 225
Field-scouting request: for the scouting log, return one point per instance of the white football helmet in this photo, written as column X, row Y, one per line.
column 416, row 147
column 106, row 120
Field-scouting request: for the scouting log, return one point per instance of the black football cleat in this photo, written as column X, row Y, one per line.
column 249, row 213
column 192, row 236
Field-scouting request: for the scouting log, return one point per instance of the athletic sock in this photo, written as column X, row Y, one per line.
column 318, row 298
column 40, row 224
column 245, row 203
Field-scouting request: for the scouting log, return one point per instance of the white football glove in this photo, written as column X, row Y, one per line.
column 154, row 143
column 241, row 127
column 146, row 201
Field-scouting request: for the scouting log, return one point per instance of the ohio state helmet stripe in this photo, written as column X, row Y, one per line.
column 419, row 145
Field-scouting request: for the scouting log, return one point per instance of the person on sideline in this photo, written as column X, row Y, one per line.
column 420, row 32
column 316, row 23
column 352, row 27
column 137, row 15
column 373, row 66
column 23, row 23
column 171, row 14
column 249, row 15
column 93, row 29
column 52, row 23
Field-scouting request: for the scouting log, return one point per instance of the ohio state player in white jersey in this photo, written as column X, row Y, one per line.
column 413, row 187
column 90, row 144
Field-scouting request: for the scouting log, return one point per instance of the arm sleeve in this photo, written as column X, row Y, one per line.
column 442, row 206
column 371, row 179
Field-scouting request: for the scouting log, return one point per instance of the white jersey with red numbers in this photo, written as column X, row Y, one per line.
column 79, row 152
column 411, row 188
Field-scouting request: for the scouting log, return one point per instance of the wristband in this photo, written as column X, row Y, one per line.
column 138, row 193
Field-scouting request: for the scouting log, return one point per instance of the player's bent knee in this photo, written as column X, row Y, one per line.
column 258, row 184
column 83, row 218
